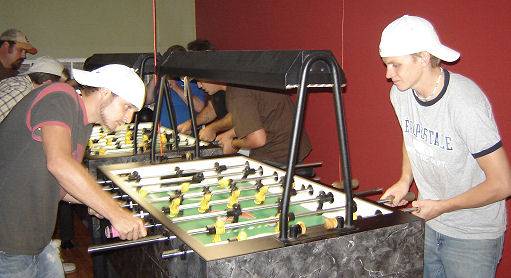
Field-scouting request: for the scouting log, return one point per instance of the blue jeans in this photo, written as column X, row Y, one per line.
column 45, row 264
column 465, row 258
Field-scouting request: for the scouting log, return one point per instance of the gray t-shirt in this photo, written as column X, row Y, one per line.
column 29, row 193
column 443, row 138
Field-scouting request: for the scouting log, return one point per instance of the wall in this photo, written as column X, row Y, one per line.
column 481, row 32
column 62, row 28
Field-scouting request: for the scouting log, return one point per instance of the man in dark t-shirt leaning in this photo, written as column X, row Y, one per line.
column 44, row 139
column 257, row 121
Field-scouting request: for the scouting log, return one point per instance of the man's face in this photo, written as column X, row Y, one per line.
column 15, row 55
column 115, row 111
column 403, row 71
column 209, row 88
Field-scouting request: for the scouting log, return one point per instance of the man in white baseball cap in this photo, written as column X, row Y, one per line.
column 119, row 82
column 50, row 127
column 452, row 150
column 14, row 45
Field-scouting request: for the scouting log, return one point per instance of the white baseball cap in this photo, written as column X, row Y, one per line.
column 46, row 64
column 412, row 34
column 120, row 79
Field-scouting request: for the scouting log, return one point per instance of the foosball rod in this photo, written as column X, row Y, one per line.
column 249, row 209
column 215, row 168
column 175, row 179
column 213, row 192
column 245, row 198
column 128, row 243
column 268, row 220
column 176, row 186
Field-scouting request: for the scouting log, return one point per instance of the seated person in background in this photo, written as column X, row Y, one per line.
column 257, row 121
column 45, row 70
column 178, row 97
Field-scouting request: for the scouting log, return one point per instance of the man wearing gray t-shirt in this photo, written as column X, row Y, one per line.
column 451, row 149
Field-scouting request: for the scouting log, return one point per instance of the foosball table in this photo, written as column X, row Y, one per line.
column 218, row 217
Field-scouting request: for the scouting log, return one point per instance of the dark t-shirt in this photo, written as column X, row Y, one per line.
column 252, row 110
column 29, row 194
column 218, row 102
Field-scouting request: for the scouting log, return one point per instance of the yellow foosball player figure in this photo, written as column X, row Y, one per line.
column 185, row 186
column 233, row 198
column 217, row 230
column 204, row 202
column 163, row 139
column 260, row 196
column 127, row 137
column 224, row 183
column 175, row 202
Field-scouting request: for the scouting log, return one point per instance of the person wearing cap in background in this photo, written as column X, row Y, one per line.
column 44, row 138
column 43, row 71
column 13, row 48
column 452, row 150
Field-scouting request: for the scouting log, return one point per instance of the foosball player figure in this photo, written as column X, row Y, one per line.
column 109, row 141
column 163, row 139
column 233, row 198
column 197, row 178
column 127, row 138
column 217, row 230
column 298, row 229
column 260, row 196
column 175, row 201
column 219, row 168
column 134, row 176
column 334, row 223
column 323, row 198
column 224, row 183
column 247, row 171
column 204, row 202
column 234, row 212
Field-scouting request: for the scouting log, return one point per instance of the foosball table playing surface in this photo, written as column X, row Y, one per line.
column 105, row 143
column 224, row 211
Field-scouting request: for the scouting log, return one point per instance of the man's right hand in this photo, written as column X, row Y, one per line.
column 185, row 127
column 398, row 190
column 128, row 226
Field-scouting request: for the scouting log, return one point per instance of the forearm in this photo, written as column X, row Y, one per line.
column 150, row 91
column 253, row 140
column 70, row 199
column 206, row 115
column 242, row 143
column 75, row 179
column 406, row 168
column 221, row 125
column 198, row 104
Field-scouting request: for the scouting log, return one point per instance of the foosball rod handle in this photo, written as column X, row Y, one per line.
column 128, row 243
column 410, row 196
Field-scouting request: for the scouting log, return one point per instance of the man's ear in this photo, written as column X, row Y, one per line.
column 425, row 57
column 4, row 45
